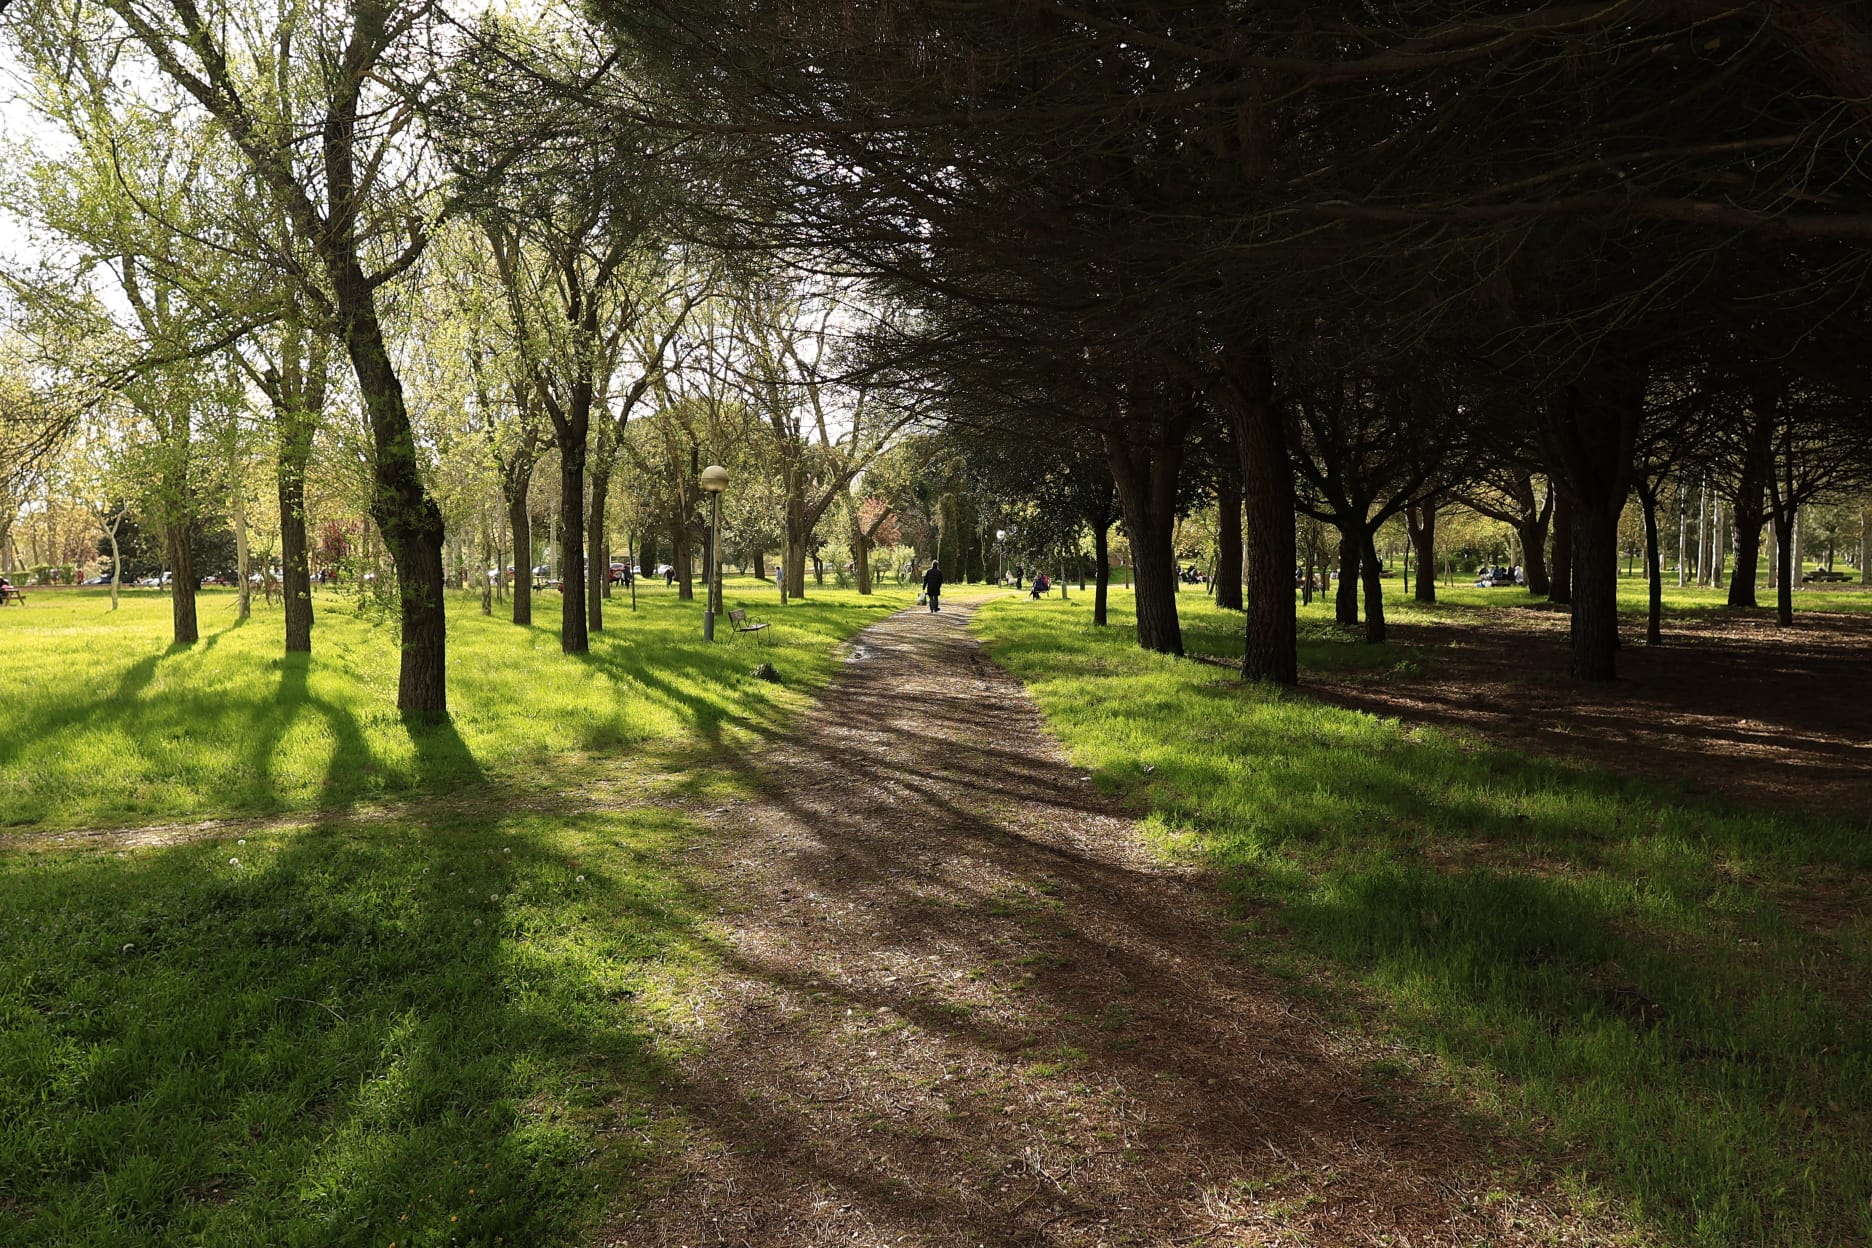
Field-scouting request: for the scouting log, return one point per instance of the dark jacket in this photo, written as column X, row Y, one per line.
column 933, row 580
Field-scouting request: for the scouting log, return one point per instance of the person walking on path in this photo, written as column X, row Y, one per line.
column 932, row 584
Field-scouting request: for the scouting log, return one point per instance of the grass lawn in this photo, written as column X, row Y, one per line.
column 1621, row 971
column 107, row 724
column 424, row 1025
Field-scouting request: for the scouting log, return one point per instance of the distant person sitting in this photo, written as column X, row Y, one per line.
column 1041, row 583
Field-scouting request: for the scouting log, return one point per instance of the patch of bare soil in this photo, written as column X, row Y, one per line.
column 617, row 784
column 1731, row 704
column 964, row 1005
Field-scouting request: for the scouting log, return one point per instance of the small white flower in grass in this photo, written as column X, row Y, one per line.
column 127, row 948
column 233, row 862
column 493, row 896
column 506, row 851
column 242, row 841
column 578, row 879
column 477, row 922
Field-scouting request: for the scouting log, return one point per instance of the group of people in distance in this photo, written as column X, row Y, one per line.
column 932, row 584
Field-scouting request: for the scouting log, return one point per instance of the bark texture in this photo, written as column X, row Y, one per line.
column 1560, row 576
column 1228, row 575
column 1270, row 650
column 1145, row 470
column 1345, row 600
column 1589, row 430
column 1420, row 523
column 182, row 583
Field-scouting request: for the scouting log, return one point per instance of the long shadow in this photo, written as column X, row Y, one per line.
column 1785, row 714
column 442, row 755
column 968, row 906
column 413, row 1031
column 1609, row 953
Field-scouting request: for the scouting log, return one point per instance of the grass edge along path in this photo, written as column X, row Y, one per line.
column 447, row 1023
column 1587, row 961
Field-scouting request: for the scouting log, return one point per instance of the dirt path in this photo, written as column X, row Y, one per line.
column 965, row 1006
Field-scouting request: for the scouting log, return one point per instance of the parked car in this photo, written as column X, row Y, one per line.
column 216, row 578
column 620, row 574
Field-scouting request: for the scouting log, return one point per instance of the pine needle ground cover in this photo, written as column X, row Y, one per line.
column 425, row 1023
column 1634, row 974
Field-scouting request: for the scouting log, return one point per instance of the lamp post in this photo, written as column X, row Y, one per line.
column 714, row 480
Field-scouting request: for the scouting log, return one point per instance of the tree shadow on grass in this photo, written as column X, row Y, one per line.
column 407, row 1031
column 1616, row 959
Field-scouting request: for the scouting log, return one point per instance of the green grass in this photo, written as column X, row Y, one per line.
column 107, row 724
column 420, row 1032
column 1591, row 961
column 431, row 1025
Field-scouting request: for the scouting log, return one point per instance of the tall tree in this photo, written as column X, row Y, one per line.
column 323, row 105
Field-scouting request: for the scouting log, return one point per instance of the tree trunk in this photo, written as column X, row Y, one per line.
column 520, row 525
column 798, row 536
column 242, row 559
column 1654, row 571
column 1270, row 650
column 1795, row 550
column 1683, row 534
column 1101, row 572
column 407, row 516
column 760, row 564
column 1150, row 518
column 1589, row 430
column 110, row 530
column 574, row 623
column 1749, row 518
column 1595, row 595
column 1703, row 527
column 598, row 556
column 1420, row 523
column 1374, row 587
column 1560, row 577
column 1228, row 577
column 1146, row 482
column 1533, row 535
column 1784, row 569
column 1345, row 601
column 182, row 583
column 1865, row 544
column 295, row 452
column 682, row 558
column 861, row 557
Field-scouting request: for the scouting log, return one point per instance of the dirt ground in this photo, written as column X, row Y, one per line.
column 965, row 1006
column 1729, row 704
